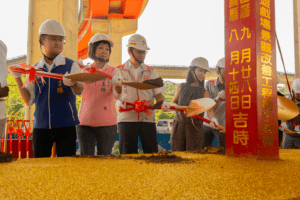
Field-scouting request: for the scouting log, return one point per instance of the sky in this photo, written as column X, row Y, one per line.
column 176, row 31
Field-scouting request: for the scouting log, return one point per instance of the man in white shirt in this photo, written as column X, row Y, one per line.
column 132, row 124
column 3, row 75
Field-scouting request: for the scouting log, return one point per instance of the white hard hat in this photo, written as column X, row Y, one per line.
column 52, row 27
column 3, row 53
column 221, row 63
column 200, row 62
column 296, row 85
column 137, row 41
column 101, row 37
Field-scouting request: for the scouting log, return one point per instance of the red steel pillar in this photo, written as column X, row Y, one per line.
column 251, row 92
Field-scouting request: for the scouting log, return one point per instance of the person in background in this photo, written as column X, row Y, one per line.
column 3, row 87
column 55, row 113
column 187, row 132
column 216, row 90
column 97, row 112
column 130, row 123
column 280, row 134
column 292, row 141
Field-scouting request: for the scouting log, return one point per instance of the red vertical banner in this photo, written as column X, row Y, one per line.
column 250, row 67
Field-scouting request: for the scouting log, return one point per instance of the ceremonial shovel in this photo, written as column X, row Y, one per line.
column 141, row 86
column 195, row 107
column 287, row 109
column 82, row 77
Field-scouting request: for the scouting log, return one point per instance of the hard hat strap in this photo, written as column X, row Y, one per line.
column 101, row 59
column 49, row 58
column 201, row 83
column 219, row 69
column 130, row 49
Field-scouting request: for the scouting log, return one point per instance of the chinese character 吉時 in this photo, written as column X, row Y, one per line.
column 240, row 137
column 240, row 120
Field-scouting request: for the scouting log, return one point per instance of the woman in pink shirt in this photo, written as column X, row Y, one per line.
column 97, row 112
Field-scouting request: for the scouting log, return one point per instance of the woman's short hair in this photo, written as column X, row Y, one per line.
column 92, row 49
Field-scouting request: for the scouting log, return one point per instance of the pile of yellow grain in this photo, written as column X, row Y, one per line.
column 210, row 177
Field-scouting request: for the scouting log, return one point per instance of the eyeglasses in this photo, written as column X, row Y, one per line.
column 53, row 39
column 141, row 52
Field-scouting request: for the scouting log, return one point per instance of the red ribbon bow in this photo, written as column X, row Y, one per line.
column 27, row 128
column 11, row 129
column 32, row 71
column 93, row 69
column 140, row 106
column 137, row 106
column 19, row 132
column 19, row 129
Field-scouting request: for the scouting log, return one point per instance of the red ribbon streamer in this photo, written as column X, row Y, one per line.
column 27, row 133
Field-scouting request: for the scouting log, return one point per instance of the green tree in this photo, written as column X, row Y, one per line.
column 169, row 95
column 14, row 102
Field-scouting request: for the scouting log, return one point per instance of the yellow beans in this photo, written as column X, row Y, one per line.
column 209, row 177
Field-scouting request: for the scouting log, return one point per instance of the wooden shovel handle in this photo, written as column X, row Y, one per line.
column 179, row 107
column 289, row 131
column 182, row 108
column 221, row 127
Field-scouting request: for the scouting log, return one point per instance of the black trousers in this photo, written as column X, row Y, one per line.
column 42, row 141
column 129, row 132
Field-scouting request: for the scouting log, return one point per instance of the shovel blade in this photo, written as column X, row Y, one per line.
column 287, row 109
column 86, row 77
column 202, row 104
